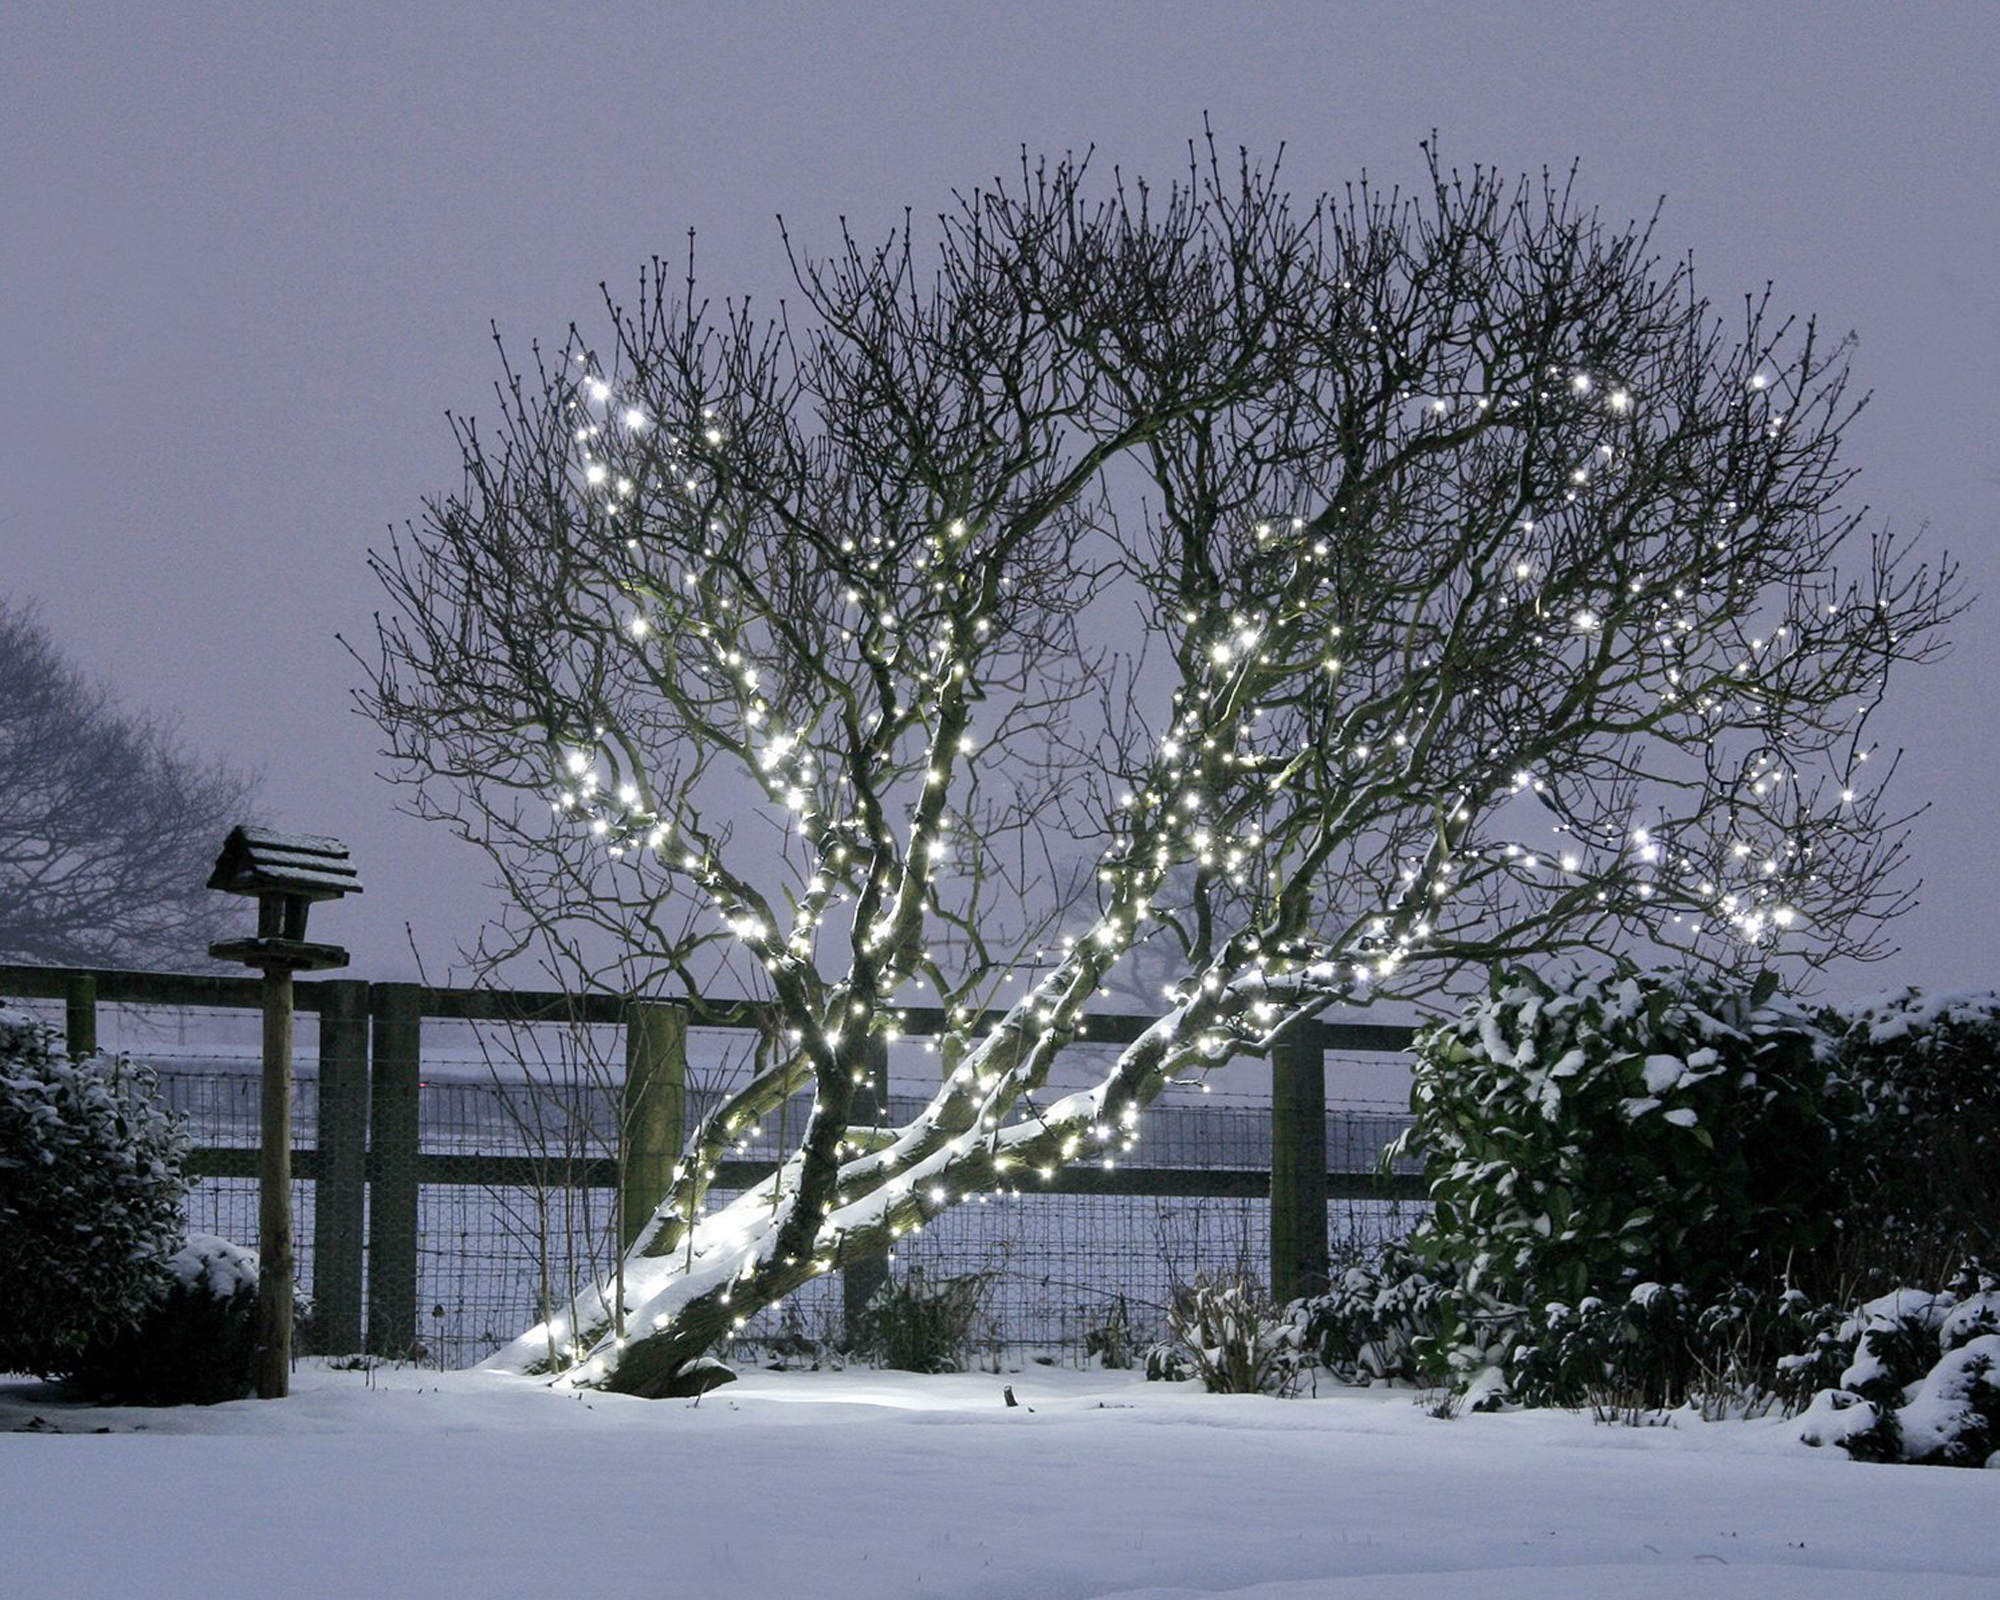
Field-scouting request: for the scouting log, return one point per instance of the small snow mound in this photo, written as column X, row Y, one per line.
column 1664, row 1072
column 213, row 1263
column 1839, row 1417
column 1918, row 1306
column 1971, row 1318
column 1949, row 1420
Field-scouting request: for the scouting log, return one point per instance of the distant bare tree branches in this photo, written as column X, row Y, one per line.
column 108, row 824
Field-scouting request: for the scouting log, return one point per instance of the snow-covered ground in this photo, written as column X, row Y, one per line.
column 873, row 1485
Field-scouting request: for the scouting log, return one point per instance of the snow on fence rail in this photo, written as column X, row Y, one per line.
column 462, row 1158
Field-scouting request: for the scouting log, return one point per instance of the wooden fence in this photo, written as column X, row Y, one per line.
column 368, row 1167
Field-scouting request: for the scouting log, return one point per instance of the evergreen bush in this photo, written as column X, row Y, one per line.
column 195, row 1345
column 1927, row 1067
column 91, row 1195
column 1641, row 1128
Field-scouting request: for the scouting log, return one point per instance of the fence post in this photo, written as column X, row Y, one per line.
column 80, row 1016
column 392, row 1167
column 1298, row 1165
column 652, row 1114
column 860, row 1279
column 339, row 1186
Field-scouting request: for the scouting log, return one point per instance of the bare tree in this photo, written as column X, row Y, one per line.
column 1487, row 593
column 108, row 824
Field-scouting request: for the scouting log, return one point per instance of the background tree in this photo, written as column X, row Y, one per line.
column 1481, row 597
column 108, row 823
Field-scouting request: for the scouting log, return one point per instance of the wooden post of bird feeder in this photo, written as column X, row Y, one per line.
column 285, row 873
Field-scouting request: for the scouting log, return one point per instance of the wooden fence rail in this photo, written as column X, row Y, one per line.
column 368, row 1162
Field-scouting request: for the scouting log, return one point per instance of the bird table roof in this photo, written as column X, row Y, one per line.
column 260, row 861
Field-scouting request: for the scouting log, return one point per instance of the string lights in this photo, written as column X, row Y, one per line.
column 1459, row 647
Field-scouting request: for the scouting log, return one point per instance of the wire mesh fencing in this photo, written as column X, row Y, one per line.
column 494, row 1257
column 514, row 1167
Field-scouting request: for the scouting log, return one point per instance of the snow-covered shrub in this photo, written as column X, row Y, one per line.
column 197, row 1344
column 1975, row 1308
column 1642, row 1128
column 1237, row 1340
column 1752, row 1350
column 1655, row 1349
column 1923, row 1381
column 1745, row 1352
column 1385, row 1319
column 1615, row 1356
column 1953, row 1419
column 1166, row 1362
column 1928, row 1068
column 90, row 1197
column 915, row 1324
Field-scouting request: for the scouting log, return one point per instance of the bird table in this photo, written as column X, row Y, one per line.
column 286, row 873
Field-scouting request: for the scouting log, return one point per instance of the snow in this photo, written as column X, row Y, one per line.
column 1914, row 1306
column 1663, row 1073
column 1896, row 1014
column 1936, row 1414
column 1494, row 1044
column 1975, row 1314
column 840, row 1486
column 215, row 1263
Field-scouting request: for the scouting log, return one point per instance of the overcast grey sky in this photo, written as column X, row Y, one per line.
column 248, row 255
